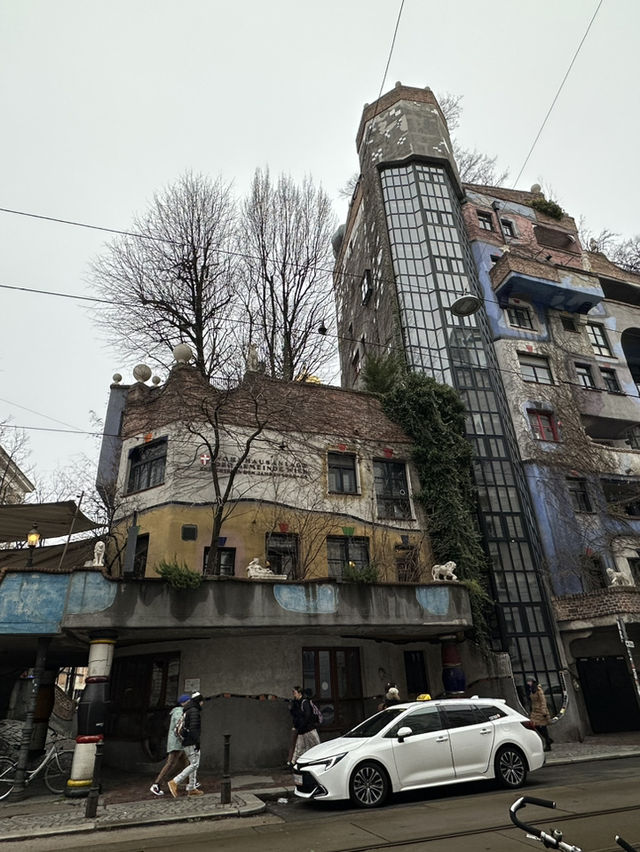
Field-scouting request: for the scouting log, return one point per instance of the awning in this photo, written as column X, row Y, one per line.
column 53, row 520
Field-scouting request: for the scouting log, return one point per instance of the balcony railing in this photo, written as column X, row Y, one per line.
column 560, row 287
column 601, row 604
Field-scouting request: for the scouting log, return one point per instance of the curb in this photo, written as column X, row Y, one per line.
column 252, row 805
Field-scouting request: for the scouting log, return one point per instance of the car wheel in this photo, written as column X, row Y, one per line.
column 511, row 767
column 369, row 785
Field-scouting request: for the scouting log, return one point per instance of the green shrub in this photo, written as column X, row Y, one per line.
column 178, row 576
column 549, row 208
column 352, row 573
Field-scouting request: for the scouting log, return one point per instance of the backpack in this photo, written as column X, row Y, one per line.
column 317, row 713
column 180, row 729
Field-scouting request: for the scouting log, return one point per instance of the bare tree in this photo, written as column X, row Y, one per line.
column 171, row 279
column 286, row 232
column 473, row 165
column 625, row 252
column 14, row 463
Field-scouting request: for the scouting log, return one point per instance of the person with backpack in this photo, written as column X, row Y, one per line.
column 189, row 728
column 175, row 751
column 305, row 721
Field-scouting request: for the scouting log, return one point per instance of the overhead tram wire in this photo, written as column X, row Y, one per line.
column 557, row 95
column 329, row 334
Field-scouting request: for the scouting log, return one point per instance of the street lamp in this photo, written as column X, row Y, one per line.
column 33, row 537
column 465, row 305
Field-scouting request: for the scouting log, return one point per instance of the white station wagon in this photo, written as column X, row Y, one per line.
column 422, row 744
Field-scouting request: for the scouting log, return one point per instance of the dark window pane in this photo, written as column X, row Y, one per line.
column 392, row 493
column 147, row 465
column 459, row 717
column 342, row 473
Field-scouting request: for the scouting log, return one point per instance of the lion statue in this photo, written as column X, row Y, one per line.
column 445, row 572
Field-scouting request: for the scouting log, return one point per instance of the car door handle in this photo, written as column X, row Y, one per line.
column 442, row 739
column 485, row 731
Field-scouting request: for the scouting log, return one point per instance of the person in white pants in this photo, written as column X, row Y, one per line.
column 191, row 743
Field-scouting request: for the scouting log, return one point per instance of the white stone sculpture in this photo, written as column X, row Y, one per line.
column 98, row 554
column 255, row 571
column 445, row 572
column 617, row 578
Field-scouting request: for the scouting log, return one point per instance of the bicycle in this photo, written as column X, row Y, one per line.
column 56, row 764
column 553, row 840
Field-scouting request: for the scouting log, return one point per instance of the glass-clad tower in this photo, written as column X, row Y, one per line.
column 402, row 259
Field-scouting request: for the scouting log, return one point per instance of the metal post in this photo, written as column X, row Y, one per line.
column 27, row 730
column 628, row 645
column 91, row 806
column 225, row 786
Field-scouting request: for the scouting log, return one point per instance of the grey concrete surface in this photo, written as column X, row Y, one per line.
column 48, row 816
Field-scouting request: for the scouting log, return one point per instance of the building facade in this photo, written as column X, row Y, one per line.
column 314, row 484
column 416, row 240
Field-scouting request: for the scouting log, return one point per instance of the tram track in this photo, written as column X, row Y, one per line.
column 558, row 820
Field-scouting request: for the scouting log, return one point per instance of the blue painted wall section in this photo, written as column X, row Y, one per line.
column 311, row 599
column 436, row 600
column 34, row 603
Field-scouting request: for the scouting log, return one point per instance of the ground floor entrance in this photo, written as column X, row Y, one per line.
column 609, row 694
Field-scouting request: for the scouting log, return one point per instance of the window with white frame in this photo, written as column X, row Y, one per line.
column 585, row 376
column 598, row 337
column 519, row 316
column 535, row 368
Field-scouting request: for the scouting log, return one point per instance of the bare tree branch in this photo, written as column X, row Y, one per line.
column 286, row 233
column 173, row 282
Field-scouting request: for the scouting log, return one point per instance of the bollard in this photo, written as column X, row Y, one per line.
column 225, row 786
column 92, row 799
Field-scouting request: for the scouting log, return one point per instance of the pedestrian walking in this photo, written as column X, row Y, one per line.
column 175, row 750
column 191, row 729
column 297, row 719
column 391, row 696
column 305, row 724
column 539, row 716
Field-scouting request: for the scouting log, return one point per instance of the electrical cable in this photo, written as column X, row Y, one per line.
column 557, row 95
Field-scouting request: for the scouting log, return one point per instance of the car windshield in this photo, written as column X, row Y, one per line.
column 371, row 727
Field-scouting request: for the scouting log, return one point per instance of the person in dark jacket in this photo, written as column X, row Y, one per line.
column 305, row 724
column 297, row 719
column 191, row 744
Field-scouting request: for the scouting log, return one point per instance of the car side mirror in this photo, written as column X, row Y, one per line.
column 403, row 732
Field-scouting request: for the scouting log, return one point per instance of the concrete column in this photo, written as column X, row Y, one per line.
column 42, row 712
column 27, row 730
column 91, row 713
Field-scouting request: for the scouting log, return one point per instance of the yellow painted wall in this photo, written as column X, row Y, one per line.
column 246, row 529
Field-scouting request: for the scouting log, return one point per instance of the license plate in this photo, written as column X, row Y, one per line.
column 297, row 779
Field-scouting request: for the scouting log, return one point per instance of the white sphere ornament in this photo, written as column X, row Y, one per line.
column 141, row 372
column 182, row 353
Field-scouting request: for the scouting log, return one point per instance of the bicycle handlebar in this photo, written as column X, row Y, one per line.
column 522, row 802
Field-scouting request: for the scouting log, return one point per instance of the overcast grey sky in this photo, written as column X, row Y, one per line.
column 103, row 104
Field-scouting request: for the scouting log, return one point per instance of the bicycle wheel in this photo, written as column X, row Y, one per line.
column 7, row 776
column 58, row 770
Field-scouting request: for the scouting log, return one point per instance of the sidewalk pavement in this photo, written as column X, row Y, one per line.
column 127, row 801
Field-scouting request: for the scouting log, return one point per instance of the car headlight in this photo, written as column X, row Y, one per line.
column 326, row 762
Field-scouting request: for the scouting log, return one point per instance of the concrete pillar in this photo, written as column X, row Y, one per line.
column 91, row 713
column 42, row 712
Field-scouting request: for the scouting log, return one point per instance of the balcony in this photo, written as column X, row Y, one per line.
column 596, row 609
column 72, row 605
column 559, row 287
